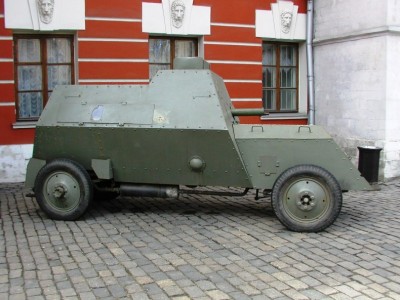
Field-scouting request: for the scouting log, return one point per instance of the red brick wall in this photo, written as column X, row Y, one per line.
column 114, row 50
column 7, row 90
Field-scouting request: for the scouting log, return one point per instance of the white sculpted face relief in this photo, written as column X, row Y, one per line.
column 46, row 9
column 177, row 13
column 286, row 21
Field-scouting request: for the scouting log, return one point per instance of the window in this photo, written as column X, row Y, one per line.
column 41, row 63
column 280, row 77
column 163, row 50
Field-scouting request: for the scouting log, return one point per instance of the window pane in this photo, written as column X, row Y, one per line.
column 58, row 50
column 185, row 48
column 288, row 77
column 288, row 100
column 269, row 77
column 160, row 51
column 58, row 75
column 154, row 68
column 280, row 75
column 39, row 69
column 30, row 105
column 28, row 50
column 269, row 55
column 270, row 99
column 288, row 56
column 29, row 78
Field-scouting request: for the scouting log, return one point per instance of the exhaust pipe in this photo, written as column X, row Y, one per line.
column 158, row 191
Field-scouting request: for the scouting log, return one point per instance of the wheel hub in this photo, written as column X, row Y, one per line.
column 60, row 191
column 306, row 201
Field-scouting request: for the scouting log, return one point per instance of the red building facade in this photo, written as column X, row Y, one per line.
column 261, row 59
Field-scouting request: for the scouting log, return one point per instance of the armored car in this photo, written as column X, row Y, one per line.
column 181, row 131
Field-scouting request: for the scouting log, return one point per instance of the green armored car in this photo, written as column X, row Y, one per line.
column 173, row 135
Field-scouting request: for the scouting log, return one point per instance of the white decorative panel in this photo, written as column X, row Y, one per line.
column 282, row 22
column 45, row 15
column 178, row 17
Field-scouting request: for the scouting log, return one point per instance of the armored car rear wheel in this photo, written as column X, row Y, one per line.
column 306, row 198
column 63, row 189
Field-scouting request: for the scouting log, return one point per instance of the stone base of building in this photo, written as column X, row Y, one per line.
column 13, row 162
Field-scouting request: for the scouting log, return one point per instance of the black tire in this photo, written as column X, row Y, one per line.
column 306, row 198
column 63, row 190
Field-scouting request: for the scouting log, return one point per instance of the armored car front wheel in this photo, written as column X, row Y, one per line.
column 63, row 189
column 306, row 198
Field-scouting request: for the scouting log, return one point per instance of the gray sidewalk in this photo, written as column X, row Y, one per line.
column 199, row 247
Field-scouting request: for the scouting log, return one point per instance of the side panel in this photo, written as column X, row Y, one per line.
column 148, row 155
column 269, row 150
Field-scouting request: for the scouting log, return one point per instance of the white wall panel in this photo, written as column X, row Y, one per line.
column 157, row 19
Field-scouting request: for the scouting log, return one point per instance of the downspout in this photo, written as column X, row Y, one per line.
column 310, row 64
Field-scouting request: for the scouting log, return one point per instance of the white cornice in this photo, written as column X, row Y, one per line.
column 129, row 20
column 358, row 35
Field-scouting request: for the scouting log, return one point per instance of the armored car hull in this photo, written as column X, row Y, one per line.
column 181, row 130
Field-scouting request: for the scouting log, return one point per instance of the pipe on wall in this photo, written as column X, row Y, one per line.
column 310, row 62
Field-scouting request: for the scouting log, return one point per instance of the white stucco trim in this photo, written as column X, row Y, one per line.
column 233, row 25
column 284, row 116
column 235, row 62
column 358, row 35
column 158, row 18
column 6, row 60
column 103, row 19
column 113, row 60
column 112, row 40
column 24, row 125
column 114, row 80
column 242, row 81
column 7, row 103
column 271, row 23
column 246, row 100
column 5, row 38
column 232, row 44
column 7, row 82
column 26, row 14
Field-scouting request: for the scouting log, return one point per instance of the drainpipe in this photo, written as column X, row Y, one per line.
column 310, row 64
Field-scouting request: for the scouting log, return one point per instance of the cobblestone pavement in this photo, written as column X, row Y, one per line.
column 198, row 247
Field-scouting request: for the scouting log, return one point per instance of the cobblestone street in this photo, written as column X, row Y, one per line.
column 198, row 247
